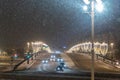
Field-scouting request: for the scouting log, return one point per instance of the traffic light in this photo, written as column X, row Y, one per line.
column 15, row 55
column 28, row 56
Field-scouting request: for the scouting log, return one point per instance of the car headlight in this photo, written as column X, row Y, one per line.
column 58, row 68
column 51, row 56
column 46, row 61
column 64, row 65
column 58, row 59
column 61, row 59
column 117, row 63
column 43, row 61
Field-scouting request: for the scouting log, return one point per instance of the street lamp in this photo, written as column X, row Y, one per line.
column 99, row 8
column 85, row 8
column 112, row 50
column 111, row 44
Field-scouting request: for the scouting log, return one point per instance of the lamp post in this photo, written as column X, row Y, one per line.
column 112, row 50
column 99, row 7
column 28, row 46
column 92, row 34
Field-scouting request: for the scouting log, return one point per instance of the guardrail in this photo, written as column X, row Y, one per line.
column 108, row 60
column 114, row 63
column 105, row 59
column 59, row 76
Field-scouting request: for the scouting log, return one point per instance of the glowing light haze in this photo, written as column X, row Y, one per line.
column 98, row 6
column 86, row 1
column 85, row 8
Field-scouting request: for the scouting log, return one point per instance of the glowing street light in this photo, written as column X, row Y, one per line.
column 111, row 44
column 99, row 7
column 99, row 1
column 86, row 1
column 85, row 8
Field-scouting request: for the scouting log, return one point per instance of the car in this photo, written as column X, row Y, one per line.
column 62, row 64
column 44, row 61
column 60, row 60
column 59, row 68
column 52, row 58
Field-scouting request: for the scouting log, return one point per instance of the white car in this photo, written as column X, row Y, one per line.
column 59, row 68
column 60, row 60
column 52, row 59
column 52, row 56
column 44, row 61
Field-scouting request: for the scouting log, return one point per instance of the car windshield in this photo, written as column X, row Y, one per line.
column 59, row 39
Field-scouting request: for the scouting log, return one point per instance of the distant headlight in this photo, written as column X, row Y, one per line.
column 58, row 60
column 61, row 59
column 43, row 61
column 64, row 65
column 58, row 68
column 53, row 56
column 50, row 59
column 117, row 63
column 46, row 61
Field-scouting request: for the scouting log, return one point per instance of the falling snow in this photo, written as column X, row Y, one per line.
column 58, row 22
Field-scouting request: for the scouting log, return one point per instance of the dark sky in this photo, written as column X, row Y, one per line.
column 56, row 22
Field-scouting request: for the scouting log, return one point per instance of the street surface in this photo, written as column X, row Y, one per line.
column 75, row 62
column 78, row 67
column 83, row 62
column 38, row 66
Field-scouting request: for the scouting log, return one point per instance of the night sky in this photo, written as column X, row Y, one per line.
column 56, row 22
